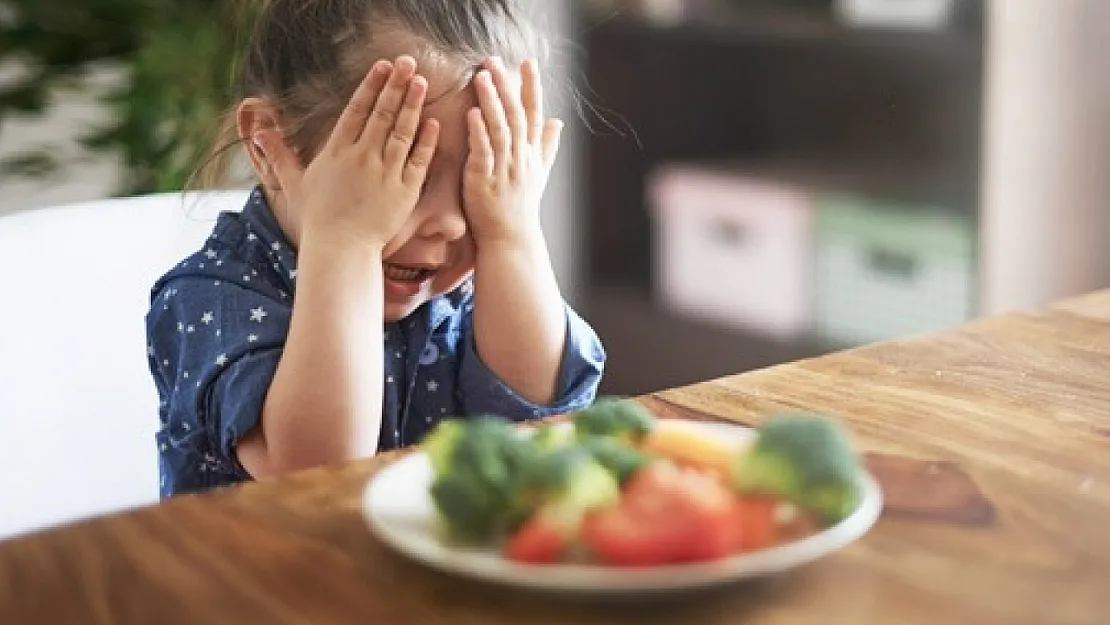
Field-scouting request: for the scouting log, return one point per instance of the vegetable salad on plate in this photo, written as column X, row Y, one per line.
column 618, row 487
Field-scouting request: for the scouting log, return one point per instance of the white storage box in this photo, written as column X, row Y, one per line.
column 899, row 14
column 732, row 250
column 885, row 271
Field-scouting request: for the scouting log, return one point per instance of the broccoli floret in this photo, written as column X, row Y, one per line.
column 468, row 509
column 805, row 459
column 475, row 462
column 568, row 480
column 549, row 437
column 619, row 459
column 622, row 418
column 440, row 444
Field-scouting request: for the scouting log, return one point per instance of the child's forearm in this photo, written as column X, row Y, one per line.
column 324, row 404
column 519, row 316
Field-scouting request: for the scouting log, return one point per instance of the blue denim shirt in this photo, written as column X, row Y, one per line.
column 217, row 324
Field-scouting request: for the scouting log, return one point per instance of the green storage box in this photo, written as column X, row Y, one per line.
column 885, row 270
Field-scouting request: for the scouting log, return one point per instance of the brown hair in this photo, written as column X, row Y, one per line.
column 308, row 56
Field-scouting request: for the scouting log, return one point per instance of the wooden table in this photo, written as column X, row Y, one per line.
column 992, row 441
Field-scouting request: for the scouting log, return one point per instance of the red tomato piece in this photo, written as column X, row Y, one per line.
column 756, row 519
column 666, row 515
column 537, row 541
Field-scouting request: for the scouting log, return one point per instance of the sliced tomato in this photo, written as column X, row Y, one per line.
column 665, row 515
column 756, row 520
column 537, row 541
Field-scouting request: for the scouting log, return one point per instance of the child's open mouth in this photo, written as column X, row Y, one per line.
column 405, row 281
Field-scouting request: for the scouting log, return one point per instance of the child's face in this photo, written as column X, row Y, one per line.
column 434, row 253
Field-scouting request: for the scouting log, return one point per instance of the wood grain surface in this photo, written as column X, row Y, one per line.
column 992, row 441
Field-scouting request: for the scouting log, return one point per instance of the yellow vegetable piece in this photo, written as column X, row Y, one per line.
column 688, row 446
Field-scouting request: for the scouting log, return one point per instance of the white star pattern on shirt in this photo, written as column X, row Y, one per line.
column 246, row 278
column 221, row 360
column 292, row 274
column 433, row 386
column 200, row 266
column 252, row 338
column 218, row 331
column 180, row 326
column 258, row 314
column 211, row 254
column 252, row 236
column 389, row 379
column 219, row 262
column 276, row 246
column 190, row 329
column 166, row 363
column 207, row 318
column 185, row 374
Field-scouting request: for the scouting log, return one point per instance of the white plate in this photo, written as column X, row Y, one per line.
column 400, row 512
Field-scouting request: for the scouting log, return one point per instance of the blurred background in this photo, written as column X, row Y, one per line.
column 750, row 181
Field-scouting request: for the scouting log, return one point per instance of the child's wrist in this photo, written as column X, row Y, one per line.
column 341, row 242
column 513, row 239
column 340, row 248
column 529, row 244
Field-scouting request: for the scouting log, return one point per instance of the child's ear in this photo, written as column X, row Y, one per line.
column 253, row 116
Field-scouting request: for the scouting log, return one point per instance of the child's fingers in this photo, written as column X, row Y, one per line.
column 416, row 168
column 493, row 113
column 532, row 99
column 280, row 159
column 481, row 158
column 552, row 131
column 400, row 140
column 388, row 106
column 354, row 116
column 508, row 90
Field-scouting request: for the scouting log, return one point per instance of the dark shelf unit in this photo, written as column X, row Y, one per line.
column 895, row 115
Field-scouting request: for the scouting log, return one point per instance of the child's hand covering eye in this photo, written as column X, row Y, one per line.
column 512, row 149
column 365, row 181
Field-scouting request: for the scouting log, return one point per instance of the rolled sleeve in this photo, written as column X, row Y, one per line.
column 484, row 392
column 217, row 348
column 236, row 397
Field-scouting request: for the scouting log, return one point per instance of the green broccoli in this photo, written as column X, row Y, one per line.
column 475, row 463
column 440, row 444
column 565, row 483
column 806, row 459
column 619, row 459
column 550, row 436
column 621, row 418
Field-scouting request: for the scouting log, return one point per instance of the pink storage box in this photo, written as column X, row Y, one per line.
column 732, row 249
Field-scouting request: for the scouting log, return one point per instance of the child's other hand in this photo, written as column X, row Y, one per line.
column 512, row 149
column 366, row 179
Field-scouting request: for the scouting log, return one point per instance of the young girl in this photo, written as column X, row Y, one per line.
column 389, row 270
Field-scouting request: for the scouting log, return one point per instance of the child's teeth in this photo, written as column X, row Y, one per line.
column 399, row 273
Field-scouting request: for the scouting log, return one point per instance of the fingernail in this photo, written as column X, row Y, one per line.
column 256, row 138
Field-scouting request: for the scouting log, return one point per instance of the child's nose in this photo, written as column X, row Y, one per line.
column 444, row 223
